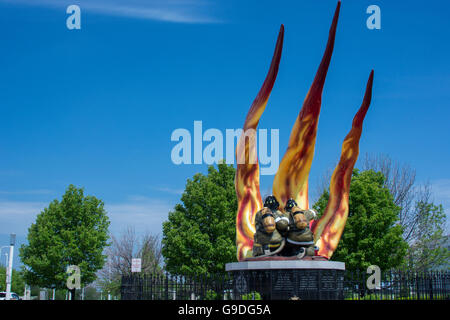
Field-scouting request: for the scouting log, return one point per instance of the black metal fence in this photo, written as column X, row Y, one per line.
column 398, row 285
column 393, row 285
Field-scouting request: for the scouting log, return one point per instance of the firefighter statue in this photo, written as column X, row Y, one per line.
column 299, row 238
column 271, row 226
column 285, row 234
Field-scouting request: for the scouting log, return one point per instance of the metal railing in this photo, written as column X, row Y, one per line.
column 393, row 285
column 399, row 285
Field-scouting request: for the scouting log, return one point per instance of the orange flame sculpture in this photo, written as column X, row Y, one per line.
column 291, row 179
column 247, row 173
column 328, row 229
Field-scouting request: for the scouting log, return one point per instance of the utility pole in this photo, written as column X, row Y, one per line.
column 12, row 242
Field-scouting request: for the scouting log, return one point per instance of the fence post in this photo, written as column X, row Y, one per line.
column 166, row 287
column 431, row 286
column 141, row 286
column 176, row 288
column 417, row 286
column 151, row 287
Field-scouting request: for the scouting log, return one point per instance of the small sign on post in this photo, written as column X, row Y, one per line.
column 135, row 265
column 42, row 295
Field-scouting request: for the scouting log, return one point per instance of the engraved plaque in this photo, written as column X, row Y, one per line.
column 308, row 280
column 284, row 281
column 327, row 280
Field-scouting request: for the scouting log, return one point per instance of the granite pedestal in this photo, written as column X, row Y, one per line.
column 289, row 279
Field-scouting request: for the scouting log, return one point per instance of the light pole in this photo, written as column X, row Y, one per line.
column 12, row 242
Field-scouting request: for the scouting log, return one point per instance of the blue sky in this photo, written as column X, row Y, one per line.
column 96, row 107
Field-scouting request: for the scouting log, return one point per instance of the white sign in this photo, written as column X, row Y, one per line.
column 42, row 295
column 135, row 265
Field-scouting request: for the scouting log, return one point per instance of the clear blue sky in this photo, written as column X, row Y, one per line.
column 96, row 107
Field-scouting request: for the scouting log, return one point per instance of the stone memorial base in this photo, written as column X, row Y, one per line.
column 289, row 279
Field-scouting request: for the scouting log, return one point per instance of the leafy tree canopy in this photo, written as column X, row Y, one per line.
column 428, row 250
column 17, row 281
column 199, row 236
column 371, row 235
column 73, row 231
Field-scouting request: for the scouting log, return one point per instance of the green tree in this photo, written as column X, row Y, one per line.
column 428, row 250
column 91, row 293
column 371, row 235
column 199, row 236
column 73, row 231
column 17, row 281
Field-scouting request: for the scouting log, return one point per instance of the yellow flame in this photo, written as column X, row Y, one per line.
column 328, row 229
column 291, row 179
column 247, row 173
